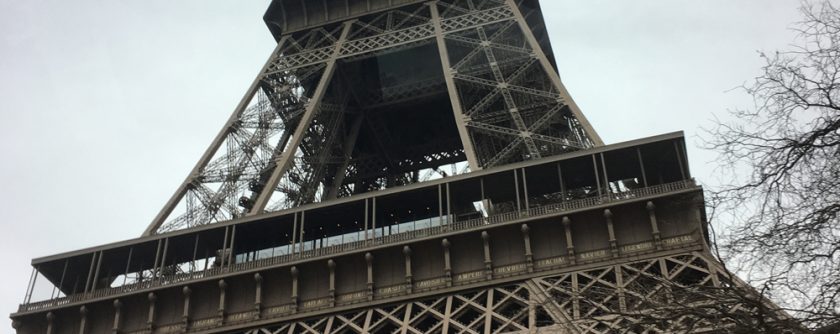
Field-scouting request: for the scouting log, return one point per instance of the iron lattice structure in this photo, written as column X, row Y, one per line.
column 383, row 100
column 611, row 299
column 359, row 104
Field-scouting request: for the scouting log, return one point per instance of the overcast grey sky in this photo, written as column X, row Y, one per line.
column 106, row 105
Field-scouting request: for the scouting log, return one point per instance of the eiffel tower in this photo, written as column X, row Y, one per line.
column 401, row 166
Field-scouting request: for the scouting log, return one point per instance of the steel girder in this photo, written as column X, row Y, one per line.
column 291, row 140
column 610, row 299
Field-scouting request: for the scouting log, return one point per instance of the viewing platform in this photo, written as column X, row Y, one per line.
column 578, row 210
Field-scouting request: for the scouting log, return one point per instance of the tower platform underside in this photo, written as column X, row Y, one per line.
column 570, row 244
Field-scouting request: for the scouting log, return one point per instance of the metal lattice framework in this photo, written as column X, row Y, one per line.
column 611, row 299
column 316, row 125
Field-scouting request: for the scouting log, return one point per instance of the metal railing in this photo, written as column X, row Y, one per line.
column 543, row 210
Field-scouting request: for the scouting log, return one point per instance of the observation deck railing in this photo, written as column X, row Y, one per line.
column 535, row 212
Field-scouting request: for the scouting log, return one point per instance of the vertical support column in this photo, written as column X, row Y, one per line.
column 460, row 119
column 529, row 256
column 679, row 154
column 611, row 230
column 64, row 273
column 294, row 272
column 230, row 255
column 597, row 176
column 301, row 241
column 369, row 261
column 447, row 264
column 50, row 322
column 220, row 314
column 222, row 251
column 150, row 320
column 195, row 253
column 408, row 276
column 117, row 313
column 642, row 166
column 258, row 279
column 562, row 183
column 654, row 225
column 284, row 161
column 96, row 272
column 607, row 189
column 570, row 246
column 488, row 261
column 162, row 258
column 525, row 191
column 83, row 313
column 516, row 186
column 185, row 317
column 449, row 218
column 440, row 204
column 293, row 250
column 331, row 268
column 373, row 222
column 127, row 267
column 551, row 72
column 31, row 285
column 367, row 211
column 90, row 271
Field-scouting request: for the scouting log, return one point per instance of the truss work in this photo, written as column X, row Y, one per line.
column 549, row 231
column 614, row 299
column 387, row 99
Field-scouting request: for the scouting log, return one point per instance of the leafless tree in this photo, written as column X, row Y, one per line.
column 781, row 208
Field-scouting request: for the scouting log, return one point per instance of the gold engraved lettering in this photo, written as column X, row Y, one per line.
column 314, row 303
column 554, row 261
column 389, row 290
column 593, row 255
column 469, row 276
column 678, row 240
column 509, row 269
column 429, row 283
column 636, row 247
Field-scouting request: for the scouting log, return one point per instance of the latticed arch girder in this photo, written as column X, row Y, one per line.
column 618, row 298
